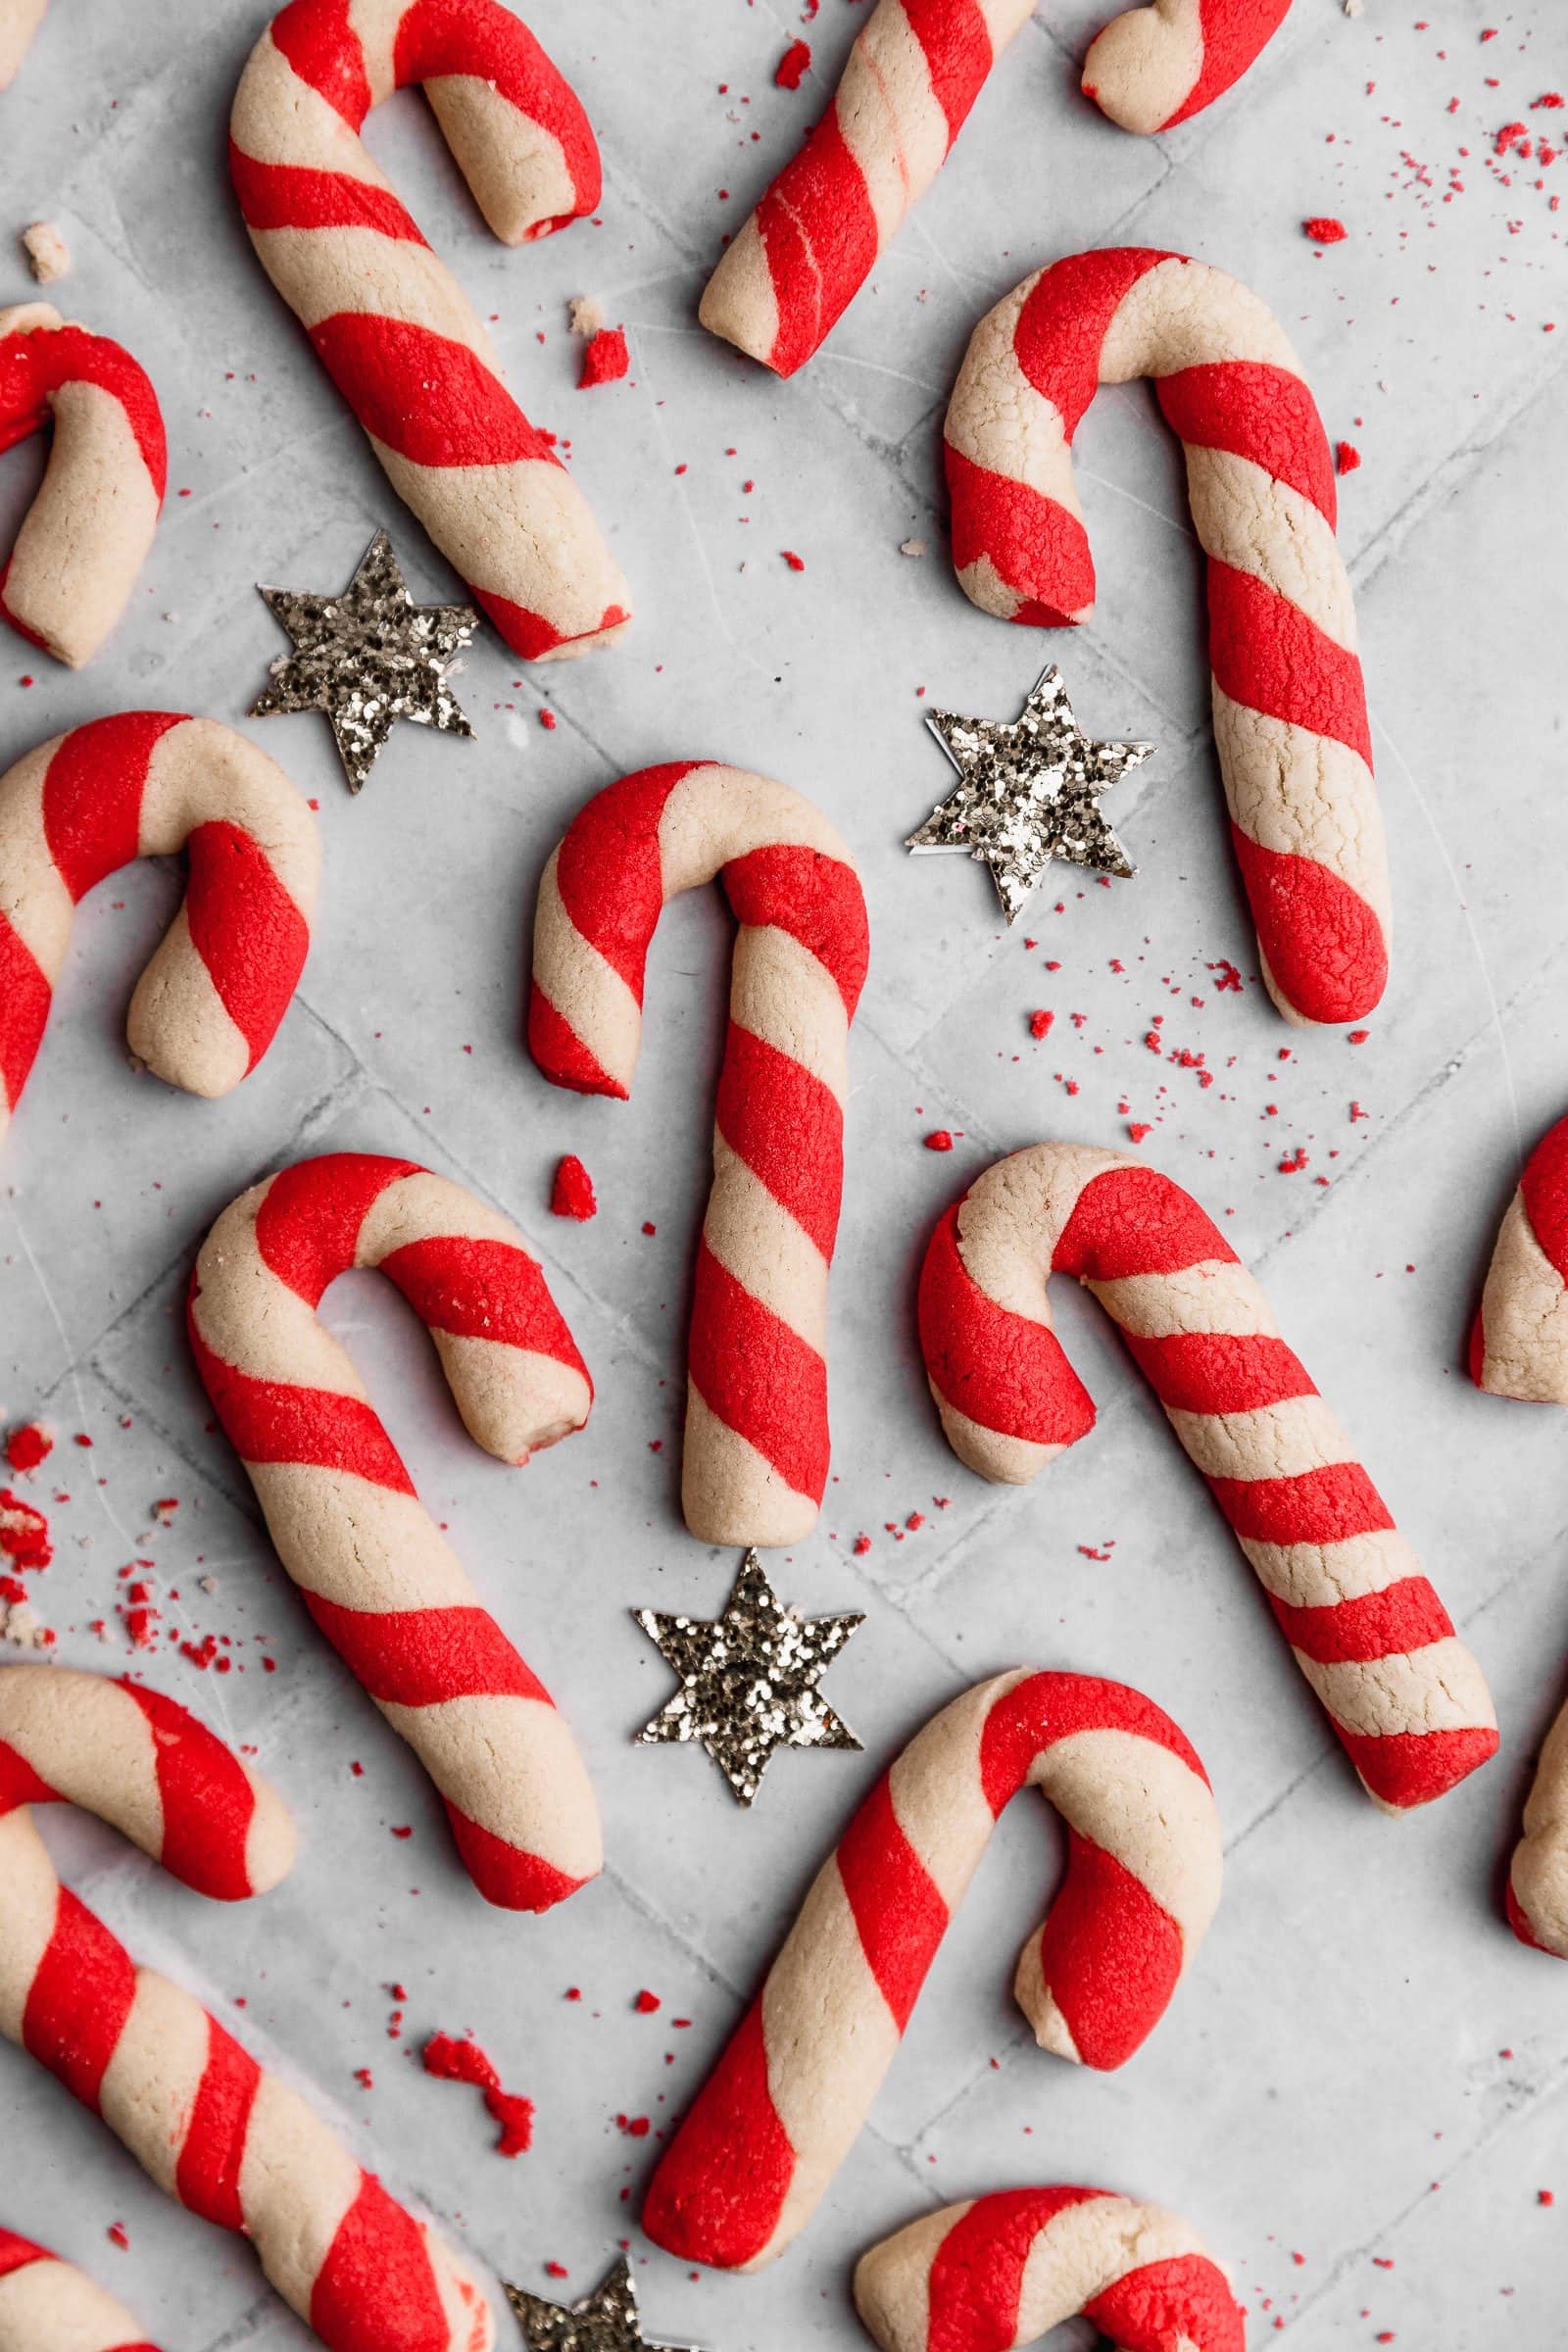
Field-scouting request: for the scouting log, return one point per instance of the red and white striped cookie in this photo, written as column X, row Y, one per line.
column 147, row 784
column 388, row 320
column 757, row 1425
column 786, row 2102
column 210, row 2125
column 86, row 534
column 913, row 73
column 1369, row 1633
column 1519, row 1348
column 48, row 2306
column 1003, row 2271
column 1290, row 710
column 378, row 1577
column 20, row 19
column 1160, row 63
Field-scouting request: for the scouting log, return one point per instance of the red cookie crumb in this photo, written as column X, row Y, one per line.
column 940, row 1139
column 796, row 563
column 606, row 358
column 1324, row 232
column 647, row 2002
column 1040, row 1023
column 28, row 1446
column 454, row 2061
column 572, row 1193
column 796, row 61
column 24, row 1533
column 1347, row 457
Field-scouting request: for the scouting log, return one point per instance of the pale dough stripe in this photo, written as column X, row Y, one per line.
column 166, row 2077
column 1519, row 1348
column 388, row 319
column 384, row 1585
column 756, row 1444
column 148, row 784
column 87, row 531
column 786, row 2100
column 805, row 253
column 1010, row 2268
column 1367, row 1629
column 1290, row 719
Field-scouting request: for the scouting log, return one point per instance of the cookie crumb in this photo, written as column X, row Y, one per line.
column 795, row 62
column 584, row 316
column 48, row 254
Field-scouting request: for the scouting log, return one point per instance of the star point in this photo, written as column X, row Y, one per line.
column 606, row 2321
column 367, row 657
column 748, row 1678
column 1028, row 791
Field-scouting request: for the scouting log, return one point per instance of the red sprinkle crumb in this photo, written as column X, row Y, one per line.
column 796, row 61
column 1040, row 1023
column 454, row 2061
column 28, row 1446
column 1138, row 1129
column 1347, row 457
column 635, row 2127
column 119, row 2236
column 796, row 563
column 1546, row 2196
column 647, row 2002
column 547, row 719
column 556, row 2270
column 1325, row 232
column 861, row 1546
column 606, row 358
column 572, row 1193
column 940, row 1139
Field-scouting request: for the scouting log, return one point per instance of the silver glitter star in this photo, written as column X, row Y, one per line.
column 367, row 657
column 748, row 1678
column 606, row 2321
column 1028, row 792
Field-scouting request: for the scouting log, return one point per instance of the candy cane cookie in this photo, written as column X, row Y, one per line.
column 20, row 19
column 1157, row 65
column 146, row 784
column 786, row 2101
column 757, row 1427
column 86, row 534
column 1004, row 2270
column 387, row 320
column 913, row 73
column 1519, row 1348
column 211, row 2128
column 1406, row 1697
column 1290, row 710
column 376, row 1575
column 46, row 2305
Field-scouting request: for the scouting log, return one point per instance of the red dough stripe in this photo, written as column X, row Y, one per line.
column 440, row 37
column 207, row 2175
column 1325, row 945
column 1319, row 1507
column 464, row 417
column 1219, row 1372
column 1269, row 656
column 19, row 2253
column 1260, row 412
column 92, row 795
column 1025, row 536
column 246, row 929
column 702, row 2203
column 817, row 900
column 377, row 2290
column 1544, row 1189
column 272, row 1421
column 1046, row 1707
column 1001, row 1369
column 78, row 2001
column 1184, row 2299
column 208, row 1801
column 899, row 1909
column 24, row 1000
column 482, row 1290
column 318, row 38
column 1234, row 33
column 309, row 1223
column 423, row 1657
column 35, row 365
column 758, row 1376
column 608, row 871
column 1403, row 1616
column 818, row 232
column 295, row 196
column 1066, row 319
column 977, row 2272
column 788, row 1128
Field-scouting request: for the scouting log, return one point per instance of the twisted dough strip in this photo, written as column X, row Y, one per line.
column 376, row 1574
column 146, row 784
column 389, row 322
column 86, row 534
column 1158, row 64
column 786, row 2101
column 1005, row 2270
column 1519, row 1348
column 1369, row 1633
column 757, row 1425
column 1290, row 710
column 212, row 2129
column 20, row 19
column 915, row 71
column 48, row 2306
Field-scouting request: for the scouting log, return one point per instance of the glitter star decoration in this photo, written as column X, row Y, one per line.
column 747, row 1679
column 367, row 657
column 606, row 2321
column 1028, row 791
